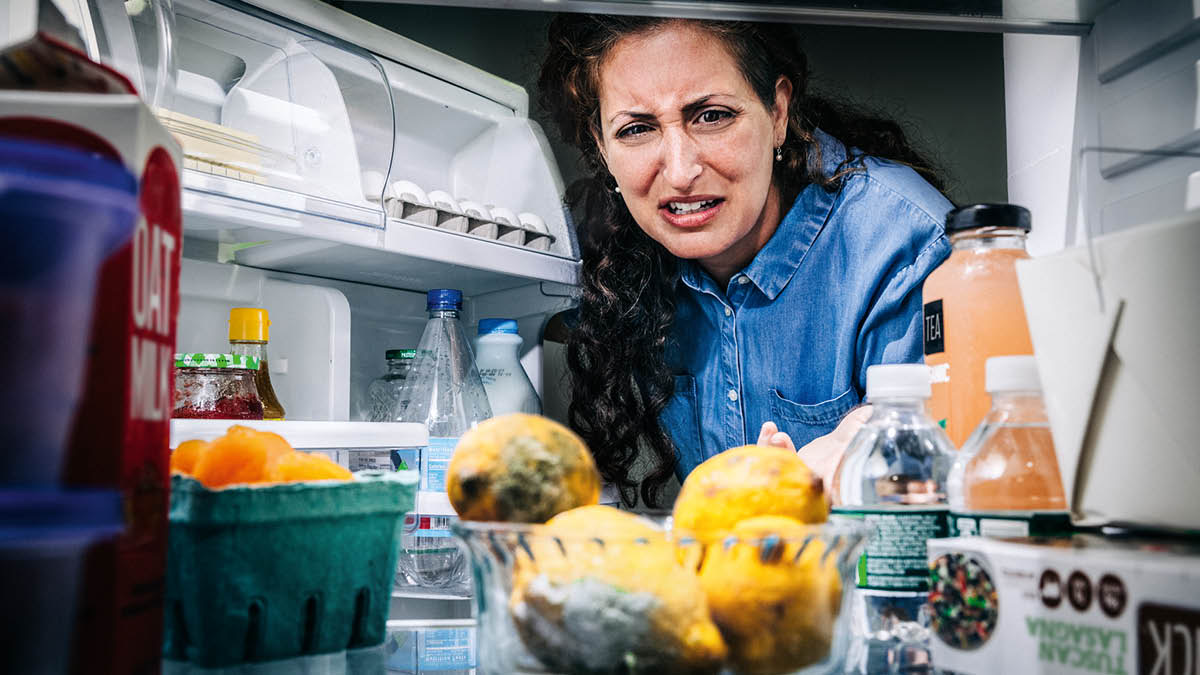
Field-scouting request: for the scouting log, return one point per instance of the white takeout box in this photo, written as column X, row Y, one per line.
column 1121, row 374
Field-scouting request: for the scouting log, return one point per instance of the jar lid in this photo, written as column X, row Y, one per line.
column 406, row 354
column 975, row 216
column 216, row 361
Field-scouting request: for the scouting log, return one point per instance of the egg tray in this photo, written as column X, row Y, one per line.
column 485, row 228
column 274, row 572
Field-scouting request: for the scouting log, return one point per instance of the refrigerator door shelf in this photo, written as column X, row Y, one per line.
column 274, row 229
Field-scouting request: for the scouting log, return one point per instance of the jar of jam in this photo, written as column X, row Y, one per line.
column 216, row 387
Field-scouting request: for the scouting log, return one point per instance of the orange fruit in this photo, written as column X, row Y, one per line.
column 652, row 610
column 744, row 482
column 300, row 466
column 276, row 445
column 774, row 593
column 520, row 468
column 183, row 458
column 240, row 456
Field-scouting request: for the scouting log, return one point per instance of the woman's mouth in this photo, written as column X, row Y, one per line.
column 691, row 213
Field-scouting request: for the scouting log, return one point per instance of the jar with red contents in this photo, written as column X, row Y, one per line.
column 216, row 387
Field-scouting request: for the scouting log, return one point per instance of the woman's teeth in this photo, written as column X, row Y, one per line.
column 681, row 208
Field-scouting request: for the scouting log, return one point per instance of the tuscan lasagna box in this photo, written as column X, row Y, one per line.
column 1077, row 605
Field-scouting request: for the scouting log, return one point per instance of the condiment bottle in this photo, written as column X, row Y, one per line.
column 893, row 476
column 973, row 311
column 1011, row 484
column 248, row 335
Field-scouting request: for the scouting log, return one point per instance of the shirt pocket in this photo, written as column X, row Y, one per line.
column 681, row 420
column 805, row 422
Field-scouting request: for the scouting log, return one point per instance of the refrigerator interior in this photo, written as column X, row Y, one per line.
column 299, row 120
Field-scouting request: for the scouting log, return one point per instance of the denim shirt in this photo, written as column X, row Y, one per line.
column 837, row 288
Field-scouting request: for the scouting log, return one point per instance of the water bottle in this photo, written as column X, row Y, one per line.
column 497, row 353
column 384, row 393
column 893, row 476
column 443, row 391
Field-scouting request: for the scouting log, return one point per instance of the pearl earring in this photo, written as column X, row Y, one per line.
column 617, row 189
column 779, row 154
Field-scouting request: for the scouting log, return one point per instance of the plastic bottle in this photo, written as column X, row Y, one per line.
column 248, row 335
column 384, row 392
column 973, row 311
column 443, row 391
column 497, row 354
column 894, row 476
column 1011, row 484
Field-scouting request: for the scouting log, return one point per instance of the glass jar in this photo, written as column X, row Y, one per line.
column 216, row 387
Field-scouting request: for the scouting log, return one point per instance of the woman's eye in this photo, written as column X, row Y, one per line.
column 633, row 130
column 713, row 116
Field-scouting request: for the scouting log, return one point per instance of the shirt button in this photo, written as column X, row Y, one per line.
column 733, row 394
column 728, row 312
column 743, row 279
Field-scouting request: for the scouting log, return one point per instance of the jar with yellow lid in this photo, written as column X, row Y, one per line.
column 249, row 330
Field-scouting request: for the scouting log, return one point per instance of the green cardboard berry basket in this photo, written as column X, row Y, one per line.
column 278, row 571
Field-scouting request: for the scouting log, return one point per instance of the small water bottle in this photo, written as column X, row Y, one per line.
column 443, row 391
column 893, row 476
column 384, row 392
column 497, row 353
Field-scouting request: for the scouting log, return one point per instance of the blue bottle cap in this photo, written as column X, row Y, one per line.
column 443, row 298
column 489, row 326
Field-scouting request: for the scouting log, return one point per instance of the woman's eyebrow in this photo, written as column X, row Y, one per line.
column 687, row 109
column 631, row 113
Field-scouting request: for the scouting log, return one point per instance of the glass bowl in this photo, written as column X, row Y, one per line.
column 597, row 602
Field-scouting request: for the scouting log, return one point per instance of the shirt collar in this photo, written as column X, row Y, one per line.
column 776, row 263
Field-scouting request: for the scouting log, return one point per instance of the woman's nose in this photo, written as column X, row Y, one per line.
column 681, row 161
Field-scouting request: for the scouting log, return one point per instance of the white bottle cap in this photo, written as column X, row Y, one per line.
column 902, row 380
column 1012, row 373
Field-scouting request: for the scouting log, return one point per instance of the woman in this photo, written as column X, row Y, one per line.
column 748, row 249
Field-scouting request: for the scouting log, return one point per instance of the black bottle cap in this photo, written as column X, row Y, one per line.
column 987, row 215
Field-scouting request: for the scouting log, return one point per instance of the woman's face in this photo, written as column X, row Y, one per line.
column 691, row 146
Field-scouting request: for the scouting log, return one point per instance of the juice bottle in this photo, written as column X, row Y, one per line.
column 973, row 310
column 1011, row 484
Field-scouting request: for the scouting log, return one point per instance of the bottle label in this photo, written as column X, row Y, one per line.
column 427, row 534
column 369, row 460
column 491, row 375
column 895, row 557
column 935, row 338
column 1002, row 524
column 435, row 460
column 447, row 649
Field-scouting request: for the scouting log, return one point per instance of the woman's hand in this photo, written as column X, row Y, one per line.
column 822, row 454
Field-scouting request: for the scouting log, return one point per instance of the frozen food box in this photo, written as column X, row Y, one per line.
column 1068, row 606
column 120, row 431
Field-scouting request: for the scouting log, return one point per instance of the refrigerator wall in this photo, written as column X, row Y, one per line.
column 1103, row 128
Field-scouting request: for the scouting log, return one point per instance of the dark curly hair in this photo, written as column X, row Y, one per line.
column 620, row 381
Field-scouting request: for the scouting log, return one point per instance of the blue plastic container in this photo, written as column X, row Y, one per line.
column 62, row 212
column 44, row 535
